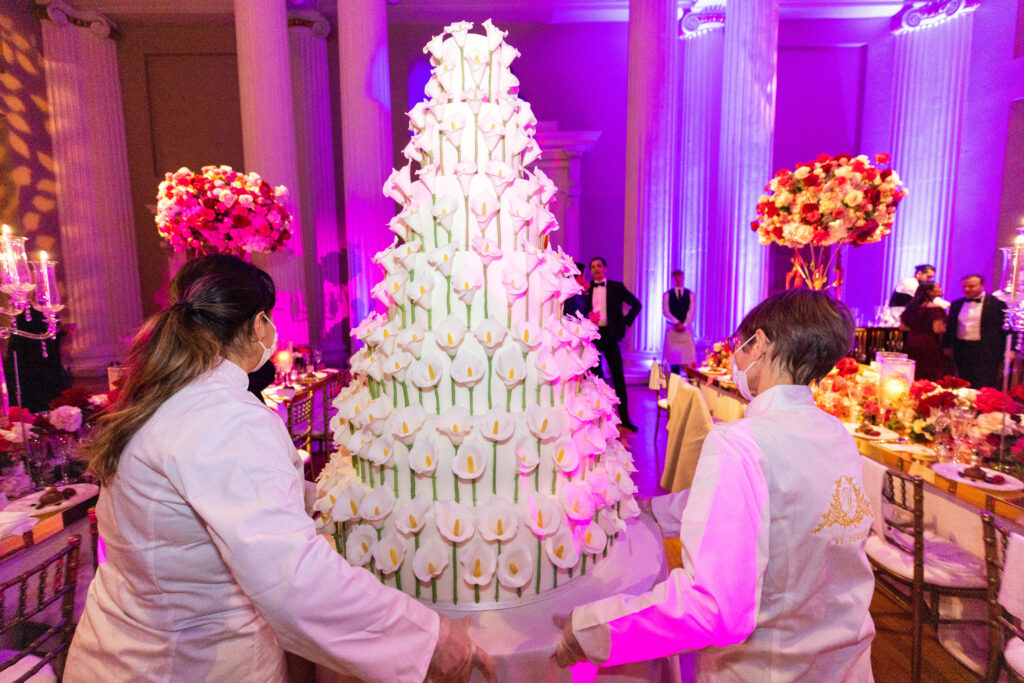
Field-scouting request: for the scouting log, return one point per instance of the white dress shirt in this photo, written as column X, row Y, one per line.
column 775, row 585
column 968, row 323
column 214, row 566
column 599, row 303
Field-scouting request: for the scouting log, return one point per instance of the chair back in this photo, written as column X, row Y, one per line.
column 331, row 389
column 905, row 493
column 656, row 380
column 26, row 596
column 673, row 387
column 300, row 419
column 1001, row 622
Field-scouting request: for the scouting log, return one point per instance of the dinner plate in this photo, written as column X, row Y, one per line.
column 884, row 433
column 30, row 503
column 951, row 470
column 712, row 371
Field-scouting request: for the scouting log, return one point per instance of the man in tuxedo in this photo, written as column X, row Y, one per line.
column 604, row 304
column 975, row 334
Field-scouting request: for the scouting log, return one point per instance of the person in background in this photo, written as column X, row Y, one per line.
column 577, row 303
column 40, row 374
column 975, row 336
column 604, row 304
column 775, row 582
column 924, row 321
column 261, row 378
column 906, row 289
column 677, row 307
column 214, row 566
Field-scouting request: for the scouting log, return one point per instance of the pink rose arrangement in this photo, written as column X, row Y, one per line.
column 219, row 210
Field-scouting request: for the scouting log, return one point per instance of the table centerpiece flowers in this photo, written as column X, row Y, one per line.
column 219, row 210
column 831, row 201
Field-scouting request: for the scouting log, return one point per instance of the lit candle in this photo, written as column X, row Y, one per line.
column 893, row 389
column 5, row 250
column 1018, row 244
column 43, row 293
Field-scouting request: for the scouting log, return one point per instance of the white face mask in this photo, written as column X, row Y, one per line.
column 739, row 377
column 267, row 350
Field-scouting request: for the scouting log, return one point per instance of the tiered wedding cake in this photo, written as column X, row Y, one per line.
column 477, row 461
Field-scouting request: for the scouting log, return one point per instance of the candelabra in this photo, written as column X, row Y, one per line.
column 20, row 280
column 1013, row 322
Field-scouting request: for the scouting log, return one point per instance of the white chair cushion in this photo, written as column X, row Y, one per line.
column 945, row 564
column 1014, row 655
column 663, row 404
column 44, row 675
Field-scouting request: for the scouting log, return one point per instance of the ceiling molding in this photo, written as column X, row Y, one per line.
column 446, row 11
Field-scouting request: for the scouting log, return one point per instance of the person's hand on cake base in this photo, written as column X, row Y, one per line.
column 569, row 651
column 455, row 656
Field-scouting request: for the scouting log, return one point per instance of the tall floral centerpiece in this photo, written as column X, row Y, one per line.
column 832, row 201
column 219, row 210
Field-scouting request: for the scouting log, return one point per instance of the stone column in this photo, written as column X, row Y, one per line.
column 737, row 263
column 651, row 111
column 932, row 58
column 366, row 143
column 562, row 161
column 701, row 45
column 100, row 263
column 307, row 36
column 268, row 140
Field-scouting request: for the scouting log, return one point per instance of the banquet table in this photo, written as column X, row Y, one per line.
column 19, row 553
column 278, row 396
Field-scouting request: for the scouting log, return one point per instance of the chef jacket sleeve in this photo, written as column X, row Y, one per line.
column 713, row 600
column 241, row 482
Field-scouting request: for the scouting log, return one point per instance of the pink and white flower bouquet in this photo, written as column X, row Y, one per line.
column 220, row 210
column 834, row 200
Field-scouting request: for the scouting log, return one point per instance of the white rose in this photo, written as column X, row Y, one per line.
column 66, row 418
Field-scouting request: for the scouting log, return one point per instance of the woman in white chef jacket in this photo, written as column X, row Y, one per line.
column 213, row 564
column 775, row 584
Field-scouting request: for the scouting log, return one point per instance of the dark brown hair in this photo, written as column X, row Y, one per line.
column 809, row 332
column 214, row 300
column 925, row 292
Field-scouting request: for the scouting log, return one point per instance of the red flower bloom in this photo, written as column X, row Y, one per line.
column 991, row 400
column 949, row 382
column 73, row 396
column 881, row 158
column 943, row 400
column 847, row 366
column 920, row 388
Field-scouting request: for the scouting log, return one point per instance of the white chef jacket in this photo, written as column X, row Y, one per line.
column 775, row 584
column 213, row 564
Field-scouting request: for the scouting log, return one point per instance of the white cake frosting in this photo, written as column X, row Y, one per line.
column 477, row 462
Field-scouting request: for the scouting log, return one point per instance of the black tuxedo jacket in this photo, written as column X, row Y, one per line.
column 617, row 295
column 993, row 336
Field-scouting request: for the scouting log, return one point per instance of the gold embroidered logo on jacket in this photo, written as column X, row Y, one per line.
column 849, row 509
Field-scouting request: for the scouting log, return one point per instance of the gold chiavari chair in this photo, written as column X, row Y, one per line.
column 907, row 557
column 40, row 648
column 1006, row 632
column 300, row 419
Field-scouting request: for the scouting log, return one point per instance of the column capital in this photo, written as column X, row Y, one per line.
column 932, row 13
column 315, row 21
column 63, row 15
column 694, row 22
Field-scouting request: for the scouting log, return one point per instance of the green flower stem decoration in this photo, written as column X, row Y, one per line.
column 469, row 316
column 437, row 401
column 524, row 390
column 539, row 553
column 412, row 486
column 405, row 393
column 554, row 480
column 395, row 469
column 433, row 483
column 490, row 362
column 476, row 146
column 466, row 202
column 402, row 308
column 381, row 471
column 552, row 387
column 455, row 574
column 394, row 394
column 337, row 538
column 516, row 498
column 433, row 200
column 508, row 400
column 554, row 583
column 476, row 593
column 584, row 571
column 448, row 293
column 372, row 485
column 421, row 396
column 474, row 493
column 498, row 218
column 433, row 589
column 494, row 470
column 398, row 579
column 508, row 307
column 430, row 319
column 536, row 472
column 470, row 399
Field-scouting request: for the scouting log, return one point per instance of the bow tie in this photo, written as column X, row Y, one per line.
column 600, row 284
column 977, row 301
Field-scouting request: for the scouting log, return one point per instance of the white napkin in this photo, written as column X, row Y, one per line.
column 912, row 448
column 1011, row 592
column 16, row 523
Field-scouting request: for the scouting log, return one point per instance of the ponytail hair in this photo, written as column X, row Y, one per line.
column 214, row 302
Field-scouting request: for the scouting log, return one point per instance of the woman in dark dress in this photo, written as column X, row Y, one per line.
column 925, row 321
